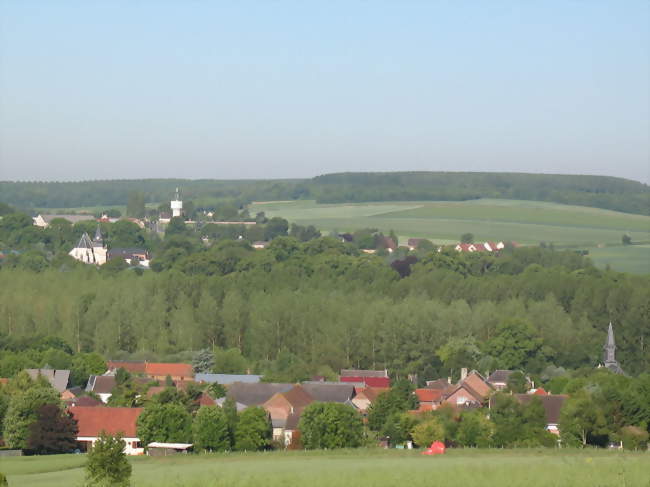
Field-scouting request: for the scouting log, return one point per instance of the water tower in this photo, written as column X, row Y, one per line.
column 177, row 205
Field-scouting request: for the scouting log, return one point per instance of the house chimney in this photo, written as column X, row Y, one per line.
column 449, row 380
column 463, row 373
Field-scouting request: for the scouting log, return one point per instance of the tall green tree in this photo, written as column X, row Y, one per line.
column 107, row 465
column 23, row 412
column 330, row 425
column 253, row 430
column 169, row 422
column 210, row 429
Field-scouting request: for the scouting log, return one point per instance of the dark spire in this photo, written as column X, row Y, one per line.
column 609, row 352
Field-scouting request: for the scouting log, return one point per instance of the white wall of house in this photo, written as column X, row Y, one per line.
column 105, row 397
column 131, row 447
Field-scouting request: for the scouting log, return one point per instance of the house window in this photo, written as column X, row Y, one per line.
column 461, row 400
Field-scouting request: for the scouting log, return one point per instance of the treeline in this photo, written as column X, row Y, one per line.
column 296, row 309
column 596, row 191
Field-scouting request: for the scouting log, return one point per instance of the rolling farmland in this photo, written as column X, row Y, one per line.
column 526, row 222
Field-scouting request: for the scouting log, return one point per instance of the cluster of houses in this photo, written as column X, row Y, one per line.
column 284, row 402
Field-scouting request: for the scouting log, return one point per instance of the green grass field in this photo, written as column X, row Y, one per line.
column 357, row 468
column 526, row 222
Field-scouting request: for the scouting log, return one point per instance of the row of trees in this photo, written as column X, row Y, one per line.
column 297, row 307
column 598, row 191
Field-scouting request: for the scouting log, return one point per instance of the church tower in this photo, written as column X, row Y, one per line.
column 609, row 352
column 177, row 205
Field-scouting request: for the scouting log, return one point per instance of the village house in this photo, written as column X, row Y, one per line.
column 365, row 396
column 160, row 371
column 430, row 399
column 255, row 394
column 91, row 421
column 281, row 406
column 372, row 378
column 85, row 401
column 58, row 378
column 552, row 408
column 154, row 370
column 131, row 366
column 285, row 408
column 102, row 386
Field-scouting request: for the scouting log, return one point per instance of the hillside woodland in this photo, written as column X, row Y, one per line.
column 596, row 191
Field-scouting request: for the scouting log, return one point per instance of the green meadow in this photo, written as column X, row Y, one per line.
column 357, row 468
column 526, row 222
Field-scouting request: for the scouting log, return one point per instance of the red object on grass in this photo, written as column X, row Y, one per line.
column 436, row 448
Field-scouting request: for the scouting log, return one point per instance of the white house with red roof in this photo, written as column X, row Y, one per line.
column 91, row 421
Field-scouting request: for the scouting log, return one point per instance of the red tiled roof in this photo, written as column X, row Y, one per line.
column 205, row 400
column 92, row 420
column 370, row 393
column 133, row 367
column 164, row 369
column 540, row 392
column 369, row 381
column 429, row 395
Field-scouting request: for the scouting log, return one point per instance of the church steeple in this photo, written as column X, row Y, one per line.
column 98, row 236
column 609, row 352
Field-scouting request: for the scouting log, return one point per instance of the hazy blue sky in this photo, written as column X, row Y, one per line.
column 269, row 89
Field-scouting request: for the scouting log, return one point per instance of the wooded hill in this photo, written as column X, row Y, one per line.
column 596, row 191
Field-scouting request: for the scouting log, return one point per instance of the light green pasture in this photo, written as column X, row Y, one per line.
column 360, row 468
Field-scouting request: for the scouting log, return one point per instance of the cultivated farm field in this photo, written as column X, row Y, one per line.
column 356, row 468
column 526, row 222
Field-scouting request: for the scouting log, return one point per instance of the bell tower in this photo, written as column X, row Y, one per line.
column 177, row 205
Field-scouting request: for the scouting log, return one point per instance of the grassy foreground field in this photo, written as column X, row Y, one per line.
column 358, row 468
column 526, row 222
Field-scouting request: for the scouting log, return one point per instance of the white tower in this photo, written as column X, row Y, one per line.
column 177, row 205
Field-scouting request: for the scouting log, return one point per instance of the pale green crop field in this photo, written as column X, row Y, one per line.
column 633, row 258
column 526, row 222
column 356, row 468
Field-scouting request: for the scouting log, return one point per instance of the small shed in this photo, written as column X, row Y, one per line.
column 158, row 449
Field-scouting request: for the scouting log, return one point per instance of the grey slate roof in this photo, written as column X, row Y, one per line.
column 58, row 378
column 239, row 406
column 255, row 394
column 552, row 404
column 101, row 384
column 500, row 376
column 85, row 242
column 322, row 392
column 226, row 379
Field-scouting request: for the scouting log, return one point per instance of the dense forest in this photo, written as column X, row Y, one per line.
column 596, row 191
column 299, row 308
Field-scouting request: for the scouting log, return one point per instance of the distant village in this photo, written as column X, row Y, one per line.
column 94, row 250
column 283, row 403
